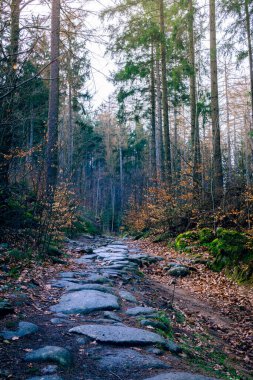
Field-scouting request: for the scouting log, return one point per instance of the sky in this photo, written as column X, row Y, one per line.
column 101, row 63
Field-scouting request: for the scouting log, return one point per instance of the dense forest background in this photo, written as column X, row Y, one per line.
column 171, row 149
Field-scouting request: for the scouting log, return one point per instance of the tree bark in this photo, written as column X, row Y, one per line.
column 159, row 129
column 166, row 128
column 228, row 127
column 53, row 112
column 153, row 118
column 248, row 30
column 217, row 159
column 195, row 141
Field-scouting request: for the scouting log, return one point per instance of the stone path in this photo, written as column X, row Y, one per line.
column 115, row 334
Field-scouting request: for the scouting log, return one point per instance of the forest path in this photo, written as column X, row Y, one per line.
column 102, row 320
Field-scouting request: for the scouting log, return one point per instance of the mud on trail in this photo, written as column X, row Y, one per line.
column 114, row 312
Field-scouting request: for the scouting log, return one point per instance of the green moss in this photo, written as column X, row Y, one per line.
column 228, row 248
column 186, row 239
column 232, row 251
column 180, row 318
column 208, row 358
column 206, row 235
column 163, row 318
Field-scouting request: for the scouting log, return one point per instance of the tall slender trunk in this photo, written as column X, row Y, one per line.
column 248, row 30
column 176, row 150
column 70, row 129
column 6, row 105
column 121, row 175
column 153, row 118
column 228, row 126
column 195, row 141
column 159, row 129
column 217, row 160
column 53, row 112
column 167, row 146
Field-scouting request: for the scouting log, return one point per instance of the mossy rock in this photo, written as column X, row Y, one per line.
column 229, row 243
column 232, row 252
column 206, row 235
column 185, row 240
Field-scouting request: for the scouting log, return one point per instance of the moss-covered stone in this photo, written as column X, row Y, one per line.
column 230, row 243
column 206, row 235
column 186, row 239
column 231, row 251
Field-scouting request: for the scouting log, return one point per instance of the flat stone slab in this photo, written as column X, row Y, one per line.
column 49, row 377
column 24, row 328
column 180, row 376
column 84, row 259
column 118, row 246
column 59, row 321
column 72, row 287
column 121, row 360
column 127, row 296
column 85, row 301
column 50, row 353
column 119, row 335
column 112, row 315
column 139, row 310
column 68, row 274
column 97, row 279
column 112, row 256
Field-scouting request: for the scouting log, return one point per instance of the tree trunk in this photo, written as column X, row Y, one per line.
column 195, row 142
column 165, row 96
column 153, row 118
column 70, row 129
column 53, row 112
column 248, row 30
column 176, row 149
column 217, row 160
column 121, row 175
column 228, row 127
column 159, row 129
